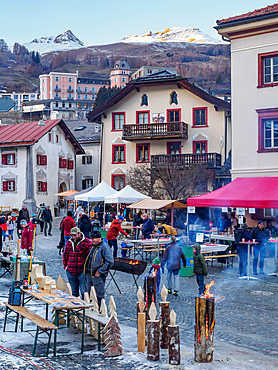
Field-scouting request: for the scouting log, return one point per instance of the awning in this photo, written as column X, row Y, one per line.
column 66, row 193
column 251, row 192
column 126, row 195
column 157, row 204
column 97, row 193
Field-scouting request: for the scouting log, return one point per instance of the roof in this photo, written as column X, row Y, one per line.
column 155, row 79
column 121, row 64
column 157, row 204
column 28, row 133
column 253, row 192
column 126, row 195
column 96, row 194
column 251, row 16
column 88, row 133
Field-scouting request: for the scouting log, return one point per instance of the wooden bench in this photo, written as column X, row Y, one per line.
column 43, row 326
column 229, row 263
column 101, row 321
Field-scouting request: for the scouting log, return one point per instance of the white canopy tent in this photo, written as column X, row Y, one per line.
column 97, row 194
column 126, row 195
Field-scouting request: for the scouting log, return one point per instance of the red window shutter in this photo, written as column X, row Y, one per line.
column 64, row 161
column 44, row 186
column 5, row 185
column 60, row 162
column 4, row 158
column 44, row 160
column 38, row 159
column 70, row 164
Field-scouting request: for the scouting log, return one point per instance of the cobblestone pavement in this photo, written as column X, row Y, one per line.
column 245, row 318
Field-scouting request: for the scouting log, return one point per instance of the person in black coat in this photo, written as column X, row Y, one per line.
column 242, row 233
column 85, row 226
column 20, row 217
column 137, row 221
column 47, row 219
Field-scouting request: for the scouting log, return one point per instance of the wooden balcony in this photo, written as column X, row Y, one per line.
column 210, row 160
column 166, row 130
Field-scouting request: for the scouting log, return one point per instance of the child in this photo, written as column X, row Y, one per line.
column 157, row 270
column 172, row 257
column 27, row 236
column 200, row 267
column 11, row 227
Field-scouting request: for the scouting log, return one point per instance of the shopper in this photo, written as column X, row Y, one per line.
column 113, row 232
column 147, row 227
column 172, row 258
column 47, row 219
column 97, row 265
column 200, row 267
column 74, row 257
column 85, row 225
column 67, row 225
column 26, row 213
column 11, row 227
column 20, row 217
column 27, row 236
column 242, row 234
column 261, row 235
column 42, row 208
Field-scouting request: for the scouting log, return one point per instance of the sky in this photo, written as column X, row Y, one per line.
column 97, row 22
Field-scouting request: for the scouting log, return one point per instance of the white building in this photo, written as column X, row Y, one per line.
column 20, row 98
column 37, row 161
column 254, row 70
column 147, row 70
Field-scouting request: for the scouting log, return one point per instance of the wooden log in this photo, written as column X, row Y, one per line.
column 153, row 340
column 204, row 328
column 174, row 344
column 164, row 317
column 141, row 331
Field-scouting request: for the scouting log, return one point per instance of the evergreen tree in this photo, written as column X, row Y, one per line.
column 104, row 94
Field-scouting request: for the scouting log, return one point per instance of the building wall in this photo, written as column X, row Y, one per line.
column 159, row 102
column 246, row 99
column 86, row 171
column 20, row 98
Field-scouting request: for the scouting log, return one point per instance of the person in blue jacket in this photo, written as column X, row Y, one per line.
column 223, row 222
column 147, row 227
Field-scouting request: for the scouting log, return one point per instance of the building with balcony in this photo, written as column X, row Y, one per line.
column 20, row 98
column 120, row 74
column 162, row 118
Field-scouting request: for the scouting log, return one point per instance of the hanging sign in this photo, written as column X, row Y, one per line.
column 240, row 220
column 199, row 237
column 252, row 210
column 224, row 209
column 191, row 209
column 240, row 211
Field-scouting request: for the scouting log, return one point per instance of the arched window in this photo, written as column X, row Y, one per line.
column 144, row 100
column 173, row 98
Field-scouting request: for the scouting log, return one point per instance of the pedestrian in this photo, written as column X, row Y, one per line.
column 156, row 270
column 27, row 236
column 11, row 227
column 113, row 232
column 97, row 265
column 74, row 257
column 20, row 217
column 200, row 267
column 4, row 227
column 240, row 234
column 47, row 219
column 147, row 227
column 261, row 235
column 167, row 229
column 67, row 225
column 85, row 225
column 137, row 222
column 26, row 213
column 223, row 222
column 172, row 258
column 42, row 208
column 234, row 221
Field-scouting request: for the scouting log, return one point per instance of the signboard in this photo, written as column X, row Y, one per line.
column 224, row 209
column 240, row 211
column 6, row 104
column 252, row 210
column 191, row 209
column 199, row 237
column 240, row 220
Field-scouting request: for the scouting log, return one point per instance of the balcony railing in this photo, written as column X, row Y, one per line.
column 57, row 89
column 210, row 160
column 155, row 130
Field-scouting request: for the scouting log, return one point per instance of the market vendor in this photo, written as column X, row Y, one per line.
column 167, row 229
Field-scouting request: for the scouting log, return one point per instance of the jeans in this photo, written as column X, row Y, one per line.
column 77, row 282
column 67, row 238
column 174, row 273
column 200, row 281
column 41, row 225
column 99, row 283
column 258, row 249
column 5, row 235
column 45, row 227
column 242, row 253
column 11, row 232
column 113, row 243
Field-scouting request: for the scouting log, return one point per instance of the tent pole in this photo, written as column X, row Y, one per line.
column 187, row 226
column 172, row 215
column 103, row 221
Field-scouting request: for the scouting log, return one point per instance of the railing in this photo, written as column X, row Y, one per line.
column 155, row 130
column 57, row 89
column 211, row 160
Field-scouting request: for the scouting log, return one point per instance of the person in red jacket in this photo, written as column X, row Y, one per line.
column 113, row 232
column 67, row 225
column 27, row 236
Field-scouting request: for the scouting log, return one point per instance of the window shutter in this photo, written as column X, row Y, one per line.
column 13, row 181
column 64, row 161
column 83, row 184
column 44, row 160
column 38, row 159
column 44, row 186
column 60, row 163
column 4, row 158
column 70, row 164
column 5, row 185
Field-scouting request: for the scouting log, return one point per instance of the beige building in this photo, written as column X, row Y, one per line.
column 161, row 118
column 254, row 68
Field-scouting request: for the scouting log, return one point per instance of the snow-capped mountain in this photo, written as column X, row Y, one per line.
column 64, row 41
column 174, row 34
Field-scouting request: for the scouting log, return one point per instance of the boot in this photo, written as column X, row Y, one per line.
column 169, row 291
column 176, row 293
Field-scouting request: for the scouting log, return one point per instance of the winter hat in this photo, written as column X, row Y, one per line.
column 95, row 234
column 244, row 226
column 23, row 222
column 75, row 230
column 121, row 218
column 260, row 222
column 47, row 205
column 156, row 261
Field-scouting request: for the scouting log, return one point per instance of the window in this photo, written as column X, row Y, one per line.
column 143, row 153
column 16, row 97
column 200, row 117
column 69, row 79
column 144, row 100
column 70, row 96
column 57, row 139
column 123, row 79
column 57, row 88
column 86, row 105
column 79, row 96
column 173, row 115
column 87, row 159
column 57, row 95
column 93, row 90
column 41, row 160
column 115, row 80
column 42, row 80
column 70, row 88
column 118, row 120
column 63, row 105
column 42, row 186
column 8, row 159
column 56, row 78
column 56, row 104
column 86, row 89
column 174, row 148
column 79, row 89
column 143, row 117
column 268, row 69
column 173, row 98
column 86, row 97
column 199, row 147
column 87, row 183
column 69, row 105
column 268, row 130
column 43, row 89
column 9, row 185
column 118, row 182
column 62, row 163
column 70, row 164
column 118, row 153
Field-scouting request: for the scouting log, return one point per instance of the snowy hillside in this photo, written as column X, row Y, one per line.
column 64, row 41
column 174, row 34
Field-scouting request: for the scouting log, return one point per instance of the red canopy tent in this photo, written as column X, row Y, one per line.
column 252, row 192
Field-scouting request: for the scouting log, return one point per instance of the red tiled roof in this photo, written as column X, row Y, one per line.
column 271, row 9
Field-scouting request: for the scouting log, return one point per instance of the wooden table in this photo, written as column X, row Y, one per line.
column 248, row 277
column 142, row 243
column 60, row 301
